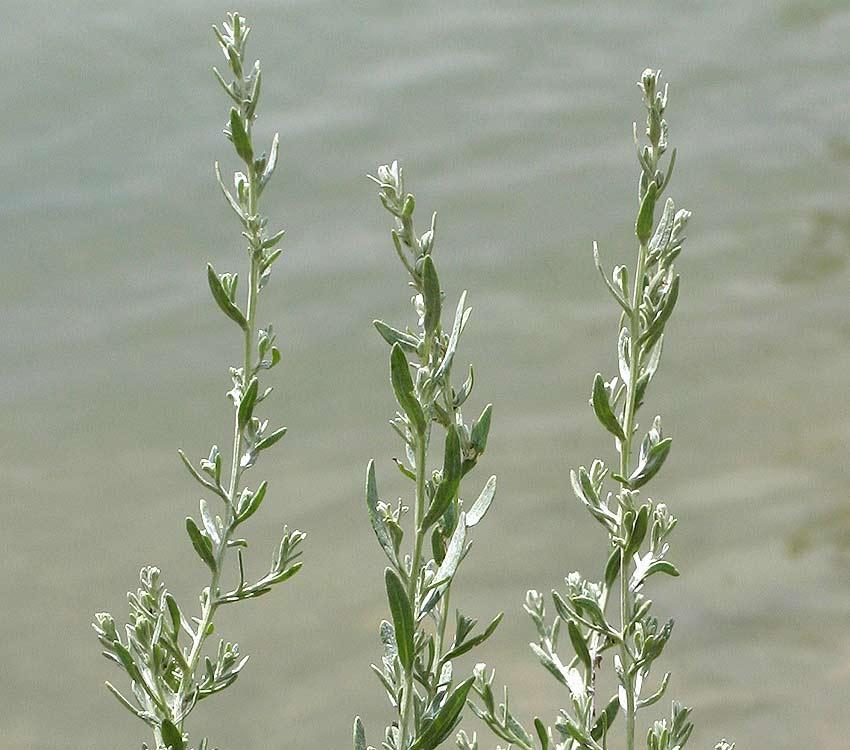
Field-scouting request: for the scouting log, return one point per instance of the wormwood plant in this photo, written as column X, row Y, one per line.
column 416, row 669
column 637, row 529
column 163, row 649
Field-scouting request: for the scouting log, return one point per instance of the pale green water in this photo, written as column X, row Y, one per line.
column 513, row 119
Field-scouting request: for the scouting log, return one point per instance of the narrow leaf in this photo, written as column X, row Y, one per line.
column 394, row 336
column 454, row 554
column 241, row 142
column 579, row 644
column 246, row 404
column 447, row 489
column 482, row 504
column 171, row 736
column 378, row 525
column 270, row 440
column 451, row 347
column 403, row 387
column 643, row 225
column 402, row 614
column 602, row 408
column 431, row 295
column 359, row 734
column 200, row 543
column 481, row 429
column 445, row 720
column 220, row 296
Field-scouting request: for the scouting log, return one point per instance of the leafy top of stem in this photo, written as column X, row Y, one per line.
column 419, row 646
column 163, row 650
column 637, row 530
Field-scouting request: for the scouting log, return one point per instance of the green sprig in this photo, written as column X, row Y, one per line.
column 417, row 668
column 163, row 651
column 637, row 530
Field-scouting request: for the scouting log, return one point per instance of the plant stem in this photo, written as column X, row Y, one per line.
column 419, row 513
column 625, row 459
column 211, row 604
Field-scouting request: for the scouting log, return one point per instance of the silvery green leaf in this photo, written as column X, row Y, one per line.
column 220, row 296
column 602, row 408
column 481, row 429
column 124, row 701
column 272, row 160
column 209, row 522
column 241, row 141
column 246, row 403
column 468, row 644
column 479, row 508
column 454, row 554
column 393, row 336
column 403, row 387
column 171, row 736
column 253, row 500
column 230, row 199
column 432, row 296
column 201, row 544
column 359, row 734
column 638, row 531
column 446, row 719
column 197, row 476
column 649, row 468
column 387, row 635
column 378, row 524
column 624, row 355
column 612, row 567
column 657, row 695
column 606, row 718
column 451, row 346
column 447, row 489
column 661, row 238
column 617, row 294
column 542, row 733
column 656, row 327
column 465, row 389
column 662, row 566
column 270, row 440
column 402, row 614
column 554, row 668
column 643, row 224
column 579, row 644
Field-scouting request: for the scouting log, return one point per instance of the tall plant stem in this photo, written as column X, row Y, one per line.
column 211, row 603
column 625, row 459
column 419, row 512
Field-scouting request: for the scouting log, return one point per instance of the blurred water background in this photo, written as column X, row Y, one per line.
column 513, row 119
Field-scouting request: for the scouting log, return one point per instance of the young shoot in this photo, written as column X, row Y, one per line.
column 418, row 642
column 164, row 648
column 610, row 619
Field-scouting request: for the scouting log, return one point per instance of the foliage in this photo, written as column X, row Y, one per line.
column 163, row 650
column 416, row 670
column 637, row 529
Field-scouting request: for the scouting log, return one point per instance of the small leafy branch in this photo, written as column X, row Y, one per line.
column 416, row 670
column 637, row 530
column 163, row 650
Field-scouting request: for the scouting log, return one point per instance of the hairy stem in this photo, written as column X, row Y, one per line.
column 415, row 562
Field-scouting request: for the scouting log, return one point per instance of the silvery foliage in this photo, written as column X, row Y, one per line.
column 637, row 529
column 162, row 649
column 416, row 669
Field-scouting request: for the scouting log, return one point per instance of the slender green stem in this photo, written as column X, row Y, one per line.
column 412, row 589
column 211, row 604
column 625, row 460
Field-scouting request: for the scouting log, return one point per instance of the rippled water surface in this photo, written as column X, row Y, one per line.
column 514, row 121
